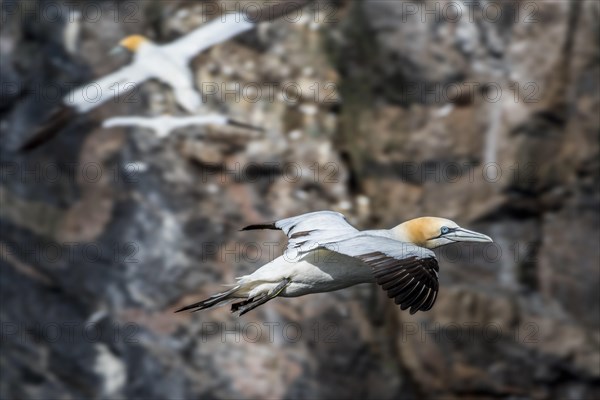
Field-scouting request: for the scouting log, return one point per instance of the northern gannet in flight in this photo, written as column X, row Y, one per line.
column 164, row 124
column 168, row 63
column 326, row 253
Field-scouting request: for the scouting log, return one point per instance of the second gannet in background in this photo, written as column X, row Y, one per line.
column 165, row 124
column 326, row 253
column 167, row 63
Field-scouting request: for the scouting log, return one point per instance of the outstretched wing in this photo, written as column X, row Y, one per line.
column 216, row 31
column 112, row 86
column 58, row 118
column 311, row 230
column 227, row 26
column 408, row 273
column 144, row 122
column 85, row 98
column 162, row 125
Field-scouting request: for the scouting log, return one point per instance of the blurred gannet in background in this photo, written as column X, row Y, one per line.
column 164, row 124
column 168, row 63
column 326, row 253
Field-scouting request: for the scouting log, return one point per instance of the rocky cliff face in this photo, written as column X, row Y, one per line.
column 483, row 113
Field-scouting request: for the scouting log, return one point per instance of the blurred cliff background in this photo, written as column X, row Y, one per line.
column 484, row 112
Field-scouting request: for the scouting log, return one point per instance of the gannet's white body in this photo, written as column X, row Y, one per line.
column 325, row 253
column 315, row 272
column 168, row 63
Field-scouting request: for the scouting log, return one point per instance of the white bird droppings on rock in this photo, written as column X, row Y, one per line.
column 111, row 369
column 136, row 166
column 296, row 134
column 71, row 32
column 309, row 109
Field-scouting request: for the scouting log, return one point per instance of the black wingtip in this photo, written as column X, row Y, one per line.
column 244, row 125
column 260, row 226
column 186, row 308
column 56, row 120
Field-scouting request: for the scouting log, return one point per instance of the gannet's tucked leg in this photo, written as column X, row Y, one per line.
column 243, row 307
column 212, row 300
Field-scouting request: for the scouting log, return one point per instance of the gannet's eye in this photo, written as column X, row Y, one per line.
column 445, row 230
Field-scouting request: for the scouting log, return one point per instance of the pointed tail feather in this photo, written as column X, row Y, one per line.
column 211, row 301
column 243, row 307
column 244, row 125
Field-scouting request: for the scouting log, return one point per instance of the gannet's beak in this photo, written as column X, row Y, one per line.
column 465, row 235
column 116, row 50
column 239, row 124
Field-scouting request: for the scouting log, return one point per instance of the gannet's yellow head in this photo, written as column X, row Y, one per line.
column 132, row 42
column 432, row 232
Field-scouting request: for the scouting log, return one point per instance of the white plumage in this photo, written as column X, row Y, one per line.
column 326, row 253
column 165, row 124
column 166, row 63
